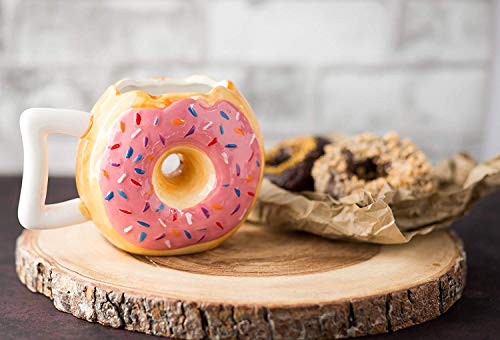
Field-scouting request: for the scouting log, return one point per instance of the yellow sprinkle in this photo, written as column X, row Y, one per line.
column 178, row 121
column 239, row 131
column 150, row 190
column 122, row 126
column 217, row 207
column 105, row 173
column 175, row 232
column 150, row 157
column 249, row 178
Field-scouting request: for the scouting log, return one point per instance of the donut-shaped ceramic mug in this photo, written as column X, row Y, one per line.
column 126, row 145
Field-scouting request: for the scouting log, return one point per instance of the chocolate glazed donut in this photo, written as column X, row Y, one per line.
column 289, row 164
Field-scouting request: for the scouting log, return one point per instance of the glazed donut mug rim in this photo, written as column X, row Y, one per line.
column 37, row 123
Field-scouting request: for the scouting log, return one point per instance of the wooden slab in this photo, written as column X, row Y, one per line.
column 258, row 284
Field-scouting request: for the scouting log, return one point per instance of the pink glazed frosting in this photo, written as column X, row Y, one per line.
column 142, row 136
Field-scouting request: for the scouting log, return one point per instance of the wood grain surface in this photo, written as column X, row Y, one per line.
column 258, row 284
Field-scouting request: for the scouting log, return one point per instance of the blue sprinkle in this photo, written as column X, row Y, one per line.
column 130, row 151
column 139, row 171
column 188, row 235
column 157, row 120
column 190, row 132
column 138, row 158
column 192, row 111
column 224, row 115
column 257, row 162
column 122, row 194
column 109, row 196
column 225, row 185
column 160, row 208
column 144, row 224
column 238, row 169
column 142, row 236
column 231, row 146
column 221, row 128
column 236, row 209
column 205, row 212
column 237, row 191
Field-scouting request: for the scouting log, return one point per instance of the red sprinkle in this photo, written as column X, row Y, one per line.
column 251, row 193
column 125, row 211
column 213, row 142
column 251, row 156
column 115, row 146
column 137, row 118
column 135, row 182
column 219, row 225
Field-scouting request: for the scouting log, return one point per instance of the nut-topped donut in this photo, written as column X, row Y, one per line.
column 371, row 162
column 144, row 209
column 289, row 163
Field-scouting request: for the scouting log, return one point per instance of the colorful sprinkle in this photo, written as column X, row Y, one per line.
column 224, row 115
column 122, row 177
column 115, row 164
column 189, row 218
column 208, row 125
column 135, row 182
column 150, row 157
column 129, row 153
column 146, row 207
column 250, row 193
column 253, row 138
column 162, row 139
column 109, row 196
column 249, row 179
column 237, row 191
column 122, row 126
column 105, row 173
column 115, row 146
column 140, row 171
column 205, row 212
column 175, row 232
column 178, row 121
column 236, row 209
column 213, row 142
column 190, row 132
column 202, row 229
column 192, row 111
column 188, row 235
column 144, row 224
column 201, row 239
column 169, row 245
column 136, row 132
column 221, row 129
column 150, row 190
column 137, row 118
column 174, row 214
column 162, row 223
column 159, row 237
column 138, row 158
column 258, row 163
column 157, row 120
column 122, row 194
column 145, row 141
column 217, row 206
column 238, row 115
column 239, row 131
column 160, row 208
column 251, row 156
column 238, row 170
column 218, row 224
column 231, row 146
column 142, row 236
column 128, row 229
column 224, row 156
column 226, row 185
column 125, row 211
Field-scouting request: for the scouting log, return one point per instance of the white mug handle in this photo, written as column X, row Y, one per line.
column 36, row 125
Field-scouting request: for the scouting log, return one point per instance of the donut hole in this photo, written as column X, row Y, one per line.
column 183, row 177
column 366, row 169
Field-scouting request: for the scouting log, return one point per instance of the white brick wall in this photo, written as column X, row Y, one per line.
column 420, row 67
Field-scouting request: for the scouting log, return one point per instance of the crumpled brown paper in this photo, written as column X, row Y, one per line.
column 391, row 218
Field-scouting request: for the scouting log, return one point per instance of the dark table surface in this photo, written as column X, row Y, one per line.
column 26, row 315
